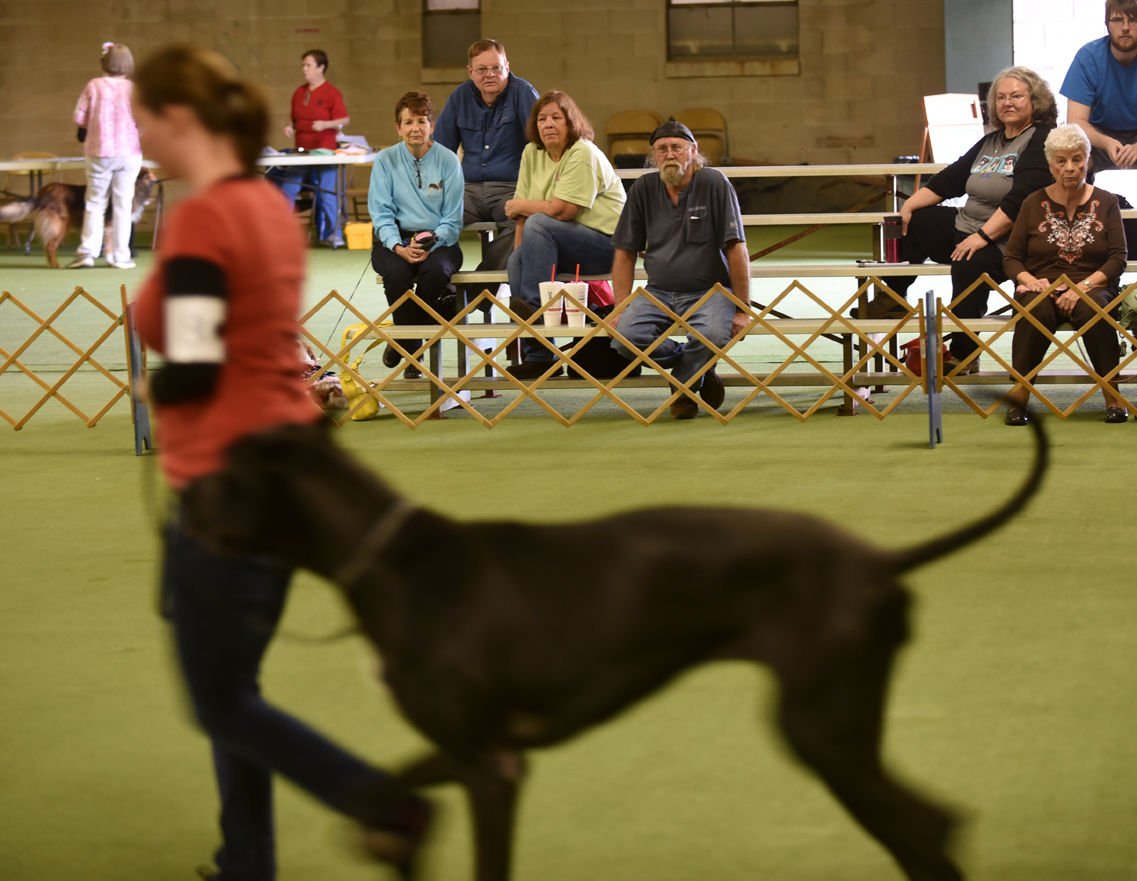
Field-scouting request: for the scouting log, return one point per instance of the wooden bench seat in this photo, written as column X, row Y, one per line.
column 757, row 271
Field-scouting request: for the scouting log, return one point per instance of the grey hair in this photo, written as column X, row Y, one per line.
column 1066, row 137
column 1044, row 109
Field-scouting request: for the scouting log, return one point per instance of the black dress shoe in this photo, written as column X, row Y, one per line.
column 1017, row 416
column 391, row 358
column 449, row 305
column 1116, row 415
column 712, row 390
column 412, row 372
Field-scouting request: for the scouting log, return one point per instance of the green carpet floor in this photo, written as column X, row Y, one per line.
column 1014, row 700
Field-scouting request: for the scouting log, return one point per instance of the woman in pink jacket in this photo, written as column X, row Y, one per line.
column 114, row 158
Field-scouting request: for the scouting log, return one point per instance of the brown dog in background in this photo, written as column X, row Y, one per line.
column 59, row 207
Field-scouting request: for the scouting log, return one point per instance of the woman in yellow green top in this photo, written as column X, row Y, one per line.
column 567, row 203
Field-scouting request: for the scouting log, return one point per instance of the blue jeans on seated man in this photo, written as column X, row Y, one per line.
column 546, row 243
column 320, row 181
column 642, row 323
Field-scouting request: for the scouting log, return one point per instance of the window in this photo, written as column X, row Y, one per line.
column 731, row 29
column 448, row 29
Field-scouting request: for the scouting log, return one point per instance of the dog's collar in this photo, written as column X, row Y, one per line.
column 372, row 544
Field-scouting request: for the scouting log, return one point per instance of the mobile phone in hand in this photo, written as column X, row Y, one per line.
column 424, row 240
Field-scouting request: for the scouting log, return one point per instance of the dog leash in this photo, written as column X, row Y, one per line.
column 372, row 544
column 350, row 298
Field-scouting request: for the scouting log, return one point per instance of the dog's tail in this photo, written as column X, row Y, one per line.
column 13, row 212
column 953, row 541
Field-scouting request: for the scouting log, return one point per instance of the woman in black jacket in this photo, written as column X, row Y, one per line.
column 1001, row 170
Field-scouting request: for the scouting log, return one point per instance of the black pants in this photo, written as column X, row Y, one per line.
column 932, row 236
column 429, row 279
column 1030, row 344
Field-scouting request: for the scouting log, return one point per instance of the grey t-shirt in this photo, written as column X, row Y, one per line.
column 991, row 178
column 684, row 242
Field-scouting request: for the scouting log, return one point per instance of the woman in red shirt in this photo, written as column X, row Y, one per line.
column 318, row 113
column 221, row 307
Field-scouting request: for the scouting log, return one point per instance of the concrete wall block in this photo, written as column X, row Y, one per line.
column 269, row 9
column 329, row 8
column 855, row 92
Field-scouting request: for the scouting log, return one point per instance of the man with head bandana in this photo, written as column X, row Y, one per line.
column 686, row 219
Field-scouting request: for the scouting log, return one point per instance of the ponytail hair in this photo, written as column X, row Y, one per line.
column 211, row 87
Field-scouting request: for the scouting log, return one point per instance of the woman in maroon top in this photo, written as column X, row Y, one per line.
column 317, row 115
column 221, row 307
column 1073, row 229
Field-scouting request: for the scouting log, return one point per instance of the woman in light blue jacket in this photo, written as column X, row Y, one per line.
column 415, row 201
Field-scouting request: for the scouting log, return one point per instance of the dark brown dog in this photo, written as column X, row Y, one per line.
column 59, row 207
column 491, row 649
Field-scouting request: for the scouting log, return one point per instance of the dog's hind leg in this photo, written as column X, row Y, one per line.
column 52, row 232
column 833, row 720
column 914, row 831
column 51, row 249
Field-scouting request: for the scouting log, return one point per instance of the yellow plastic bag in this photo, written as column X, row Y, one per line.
column 361, row 404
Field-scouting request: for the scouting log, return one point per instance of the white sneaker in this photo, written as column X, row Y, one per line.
column 81, row 263
column 121, row 264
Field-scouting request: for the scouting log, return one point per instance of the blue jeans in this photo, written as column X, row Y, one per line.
column 224, row 612
column 320, row 180
column 642, row 323
column 546, row 242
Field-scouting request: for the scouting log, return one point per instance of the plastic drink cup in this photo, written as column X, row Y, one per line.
column 550, row 291
column 575, row 313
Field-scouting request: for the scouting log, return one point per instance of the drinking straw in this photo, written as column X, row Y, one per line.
column 578, row 272
column 553, row 277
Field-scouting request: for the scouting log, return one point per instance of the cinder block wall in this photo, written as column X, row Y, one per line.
column 864, row 64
